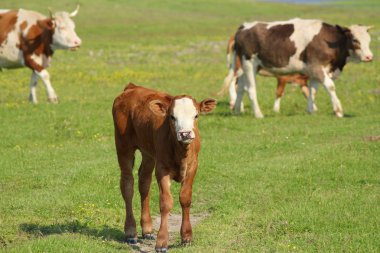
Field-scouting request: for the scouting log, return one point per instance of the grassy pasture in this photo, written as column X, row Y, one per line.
column 287, row 183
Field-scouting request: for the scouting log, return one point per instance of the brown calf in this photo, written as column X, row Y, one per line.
column 282, row 80
column 164, row 129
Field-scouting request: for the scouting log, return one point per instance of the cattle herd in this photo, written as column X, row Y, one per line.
column 164, row 127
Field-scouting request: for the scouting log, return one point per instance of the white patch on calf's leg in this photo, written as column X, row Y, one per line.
column 276, row 106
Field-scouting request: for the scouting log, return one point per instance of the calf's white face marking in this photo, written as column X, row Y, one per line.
column 183, row 116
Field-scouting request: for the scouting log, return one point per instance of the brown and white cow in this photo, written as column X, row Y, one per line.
column 29, row 39
column 311, row 47
column 164, row 129
column 230, row 81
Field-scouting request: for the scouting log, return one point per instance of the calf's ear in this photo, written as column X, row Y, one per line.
column 158, row 108
column 207, row 105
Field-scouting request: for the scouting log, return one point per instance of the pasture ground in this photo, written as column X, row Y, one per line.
column 291, row 182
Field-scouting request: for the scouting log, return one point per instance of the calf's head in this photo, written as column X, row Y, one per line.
column 182, row 114
column 359, row 40
column 64, row 36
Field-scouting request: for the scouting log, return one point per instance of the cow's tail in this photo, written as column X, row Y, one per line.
column 230, row 65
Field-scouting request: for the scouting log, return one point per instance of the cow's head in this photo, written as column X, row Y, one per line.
column 183, row 115
column 359, row 40
column 64, row 36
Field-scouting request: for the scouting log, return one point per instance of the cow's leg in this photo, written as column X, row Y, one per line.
column 313, row 87
column 45, row 77
column 329, row 85
column 281, row 82
column 145, row 180
column 250, row 69
column 126, row 157
column 240, row 92
column 185, row 200
column 166, row 205
column 33, row 86
column 232, row 91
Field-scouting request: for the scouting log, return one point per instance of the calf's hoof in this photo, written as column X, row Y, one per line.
column 149, row 236
column 131, row 240
column 339, row 114
column 162, row 249
column 186, row 242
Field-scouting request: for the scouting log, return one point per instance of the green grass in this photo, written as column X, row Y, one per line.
column 288, row 183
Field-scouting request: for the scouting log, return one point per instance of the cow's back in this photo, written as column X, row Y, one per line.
column 134, row 119
column 278, row 45
column 15, row 25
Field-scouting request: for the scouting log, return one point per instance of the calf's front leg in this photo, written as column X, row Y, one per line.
column 166, row 205
column 185, row 200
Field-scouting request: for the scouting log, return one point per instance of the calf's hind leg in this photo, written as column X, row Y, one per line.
column 281, row 82
column 145, row 180
column 126, row 159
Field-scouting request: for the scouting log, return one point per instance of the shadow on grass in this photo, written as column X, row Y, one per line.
column 105, row 233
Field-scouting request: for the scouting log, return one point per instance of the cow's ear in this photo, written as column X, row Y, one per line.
column 158, row 108
column 47, row 24
column 207, row 105
column 346, row 31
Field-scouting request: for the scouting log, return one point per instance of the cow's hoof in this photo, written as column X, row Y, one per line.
column 259, row 115
column 339, row 114
column 162, row 249
column 149, row 236
column 131, row 240
column 53, row 100
column 33, row 100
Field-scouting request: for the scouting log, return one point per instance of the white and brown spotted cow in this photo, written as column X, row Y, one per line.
column 310, row 47
column 230, row 82
column 29, row 39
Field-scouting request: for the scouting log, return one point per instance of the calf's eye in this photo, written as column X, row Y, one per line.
column 172, row 117
column 196, row 116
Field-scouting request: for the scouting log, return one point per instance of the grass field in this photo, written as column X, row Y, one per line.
column 291, row 182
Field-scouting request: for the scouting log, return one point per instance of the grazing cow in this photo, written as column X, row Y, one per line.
column 310, row 47
column 29, row 39
column 164, row 129
column 233, row 75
